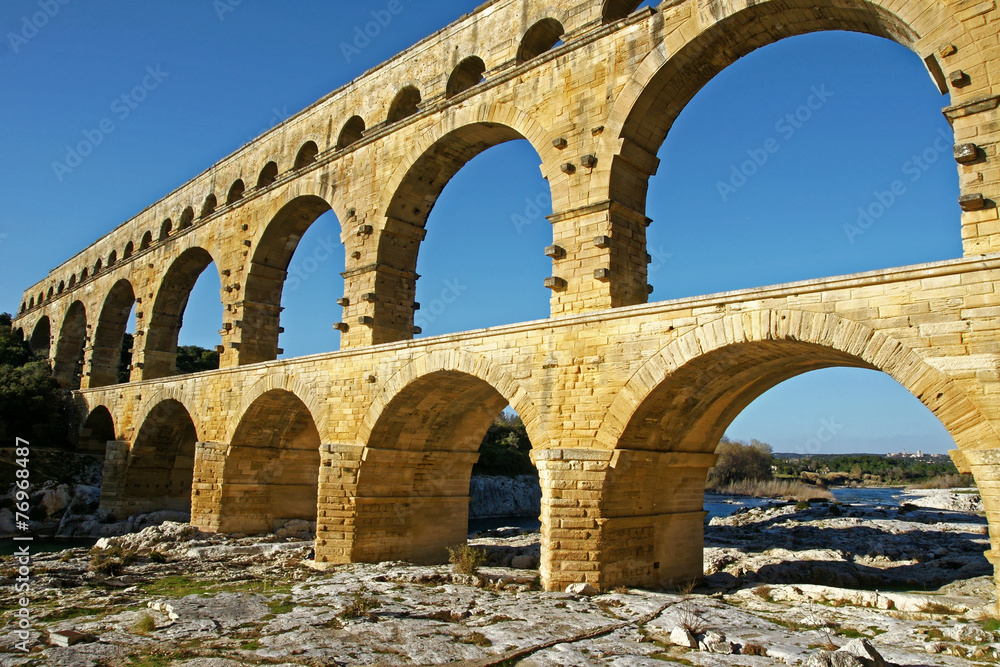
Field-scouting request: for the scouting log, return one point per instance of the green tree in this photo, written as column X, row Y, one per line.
column 194, row 359
column 740, row 461
column 32, row 404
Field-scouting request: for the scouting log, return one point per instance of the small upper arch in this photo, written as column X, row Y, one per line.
column 112, row 258
column 72, row 281
column 187, row 217
column 165, row 229
column 539, row 38
column 467, row 74
column 208, row 208
column 236, row 191
column 129, row 249
column 354, row 130
column 147, row 240
column 268, row 175
column 84, row 274
column 306, row 155
column 615, row 10
column 406, row 104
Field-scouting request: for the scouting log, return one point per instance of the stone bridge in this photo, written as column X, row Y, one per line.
column 624, row 401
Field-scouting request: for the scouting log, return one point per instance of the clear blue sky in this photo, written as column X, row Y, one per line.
column 229, row 75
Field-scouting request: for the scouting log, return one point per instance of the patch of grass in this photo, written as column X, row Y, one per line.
column 990, row 624
column 177, row 586
column 144, row 625
column 752, row 648
column 666, row 657
column 475, row 638
column 72, row 612
column 281, row 606
column 157, row 659
column 156, row 557
column 850, row 633
column 466, row 559
column 361, row 604
column 935, row 608
column 764, row 593
column 692, row 622
column 251, row 645
column 802, row 505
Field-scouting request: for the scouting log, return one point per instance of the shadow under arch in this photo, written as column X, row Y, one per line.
column 673, row 73
column 109, row 334
column 67, row 362
column 271, row 472
column 160, row 345
column 156, row 473
column 665, row 423
column 421, row 438
column 267, row 273
column 412, row 192
column 97, row 430
column 41, row 337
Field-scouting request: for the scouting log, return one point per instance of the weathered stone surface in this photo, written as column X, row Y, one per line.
column 376, row 443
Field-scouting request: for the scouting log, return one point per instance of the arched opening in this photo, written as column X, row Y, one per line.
column 415, row 510
column 821, row 139
column 109, row 336
column 96, row 432
column 129, row 249
column 406, row 104
column 187, row 218
column 673, row 431
column 160, row 467
column 236, row 191
column 62, row 287
column 68, row 362
column 52, row 292
column 460, row 290
column 160, row 353
column 165, row 229
column 208, row 208
column 615, row 10
column 147, row 240
column 24, row 306
column 272, row 469
column 268, row 175
column 269, row 275
column 72, row 281
column 310, row 292
column 353, row 132
column 41, row 337
column 41, row 298
column 540, row 38
column 84, row 274
column 98, row 265
column 306, row 155
column 468, row 74
column 112, row 258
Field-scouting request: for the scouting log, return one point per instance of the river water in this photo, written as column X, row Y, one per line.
column 715, row 505
column 720, row 505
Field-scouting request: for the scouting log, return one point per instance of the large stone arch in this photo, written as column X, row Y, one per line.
column 163, row 321
column 41, row 336
column 286, row 219
column 290, row 384
column 97, row 430
column 109, row 332
column 156, row 472
column 413, row 189
column 67, row 361
column 421, row 437
column 271, row 468
column 665, row 423
column 721, row 33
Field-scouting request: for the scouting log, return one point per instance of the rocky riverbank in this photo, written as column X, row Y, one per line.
column 785, row 585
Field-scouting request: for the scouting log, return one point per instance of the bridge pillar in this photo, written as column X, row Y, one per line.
column 100, row 367
column 206, row 485
column 622, row 517
column 598, row 259
column 338, row 483
column 113, row 478
column 984, row 465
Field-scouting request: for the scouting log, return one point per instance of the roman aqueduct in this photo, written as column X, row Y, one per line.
column 623, row 400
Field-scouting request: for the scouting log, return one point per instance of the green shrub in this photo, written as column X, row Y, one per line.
column 466, row 559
